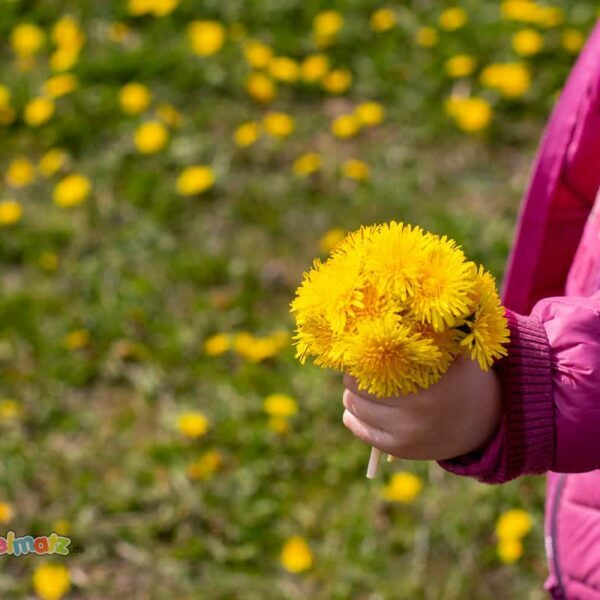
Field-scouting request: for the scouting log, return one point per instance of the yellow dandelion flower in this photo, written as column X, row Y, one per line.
column 314, row 67
column 20, row 172
column 195, row 180
column 345, row 126
column 192, row 424
column 326, row 26
column 206, row 466
column 337, row 81
column 427, row 37
column 315, row 337
column 331, row 239
column 509, row 551
column 169, row 114
column 383, row 19
column 527, row 42
column 461, row 65
column 256, row 349
column 11, row 212
column 513, row 524
column 162, row 8
column 27, row 39
column 470, row 114
column 217, row 344
column 280, row 405
column 71, row 190
column 403, row 487
column 386, row 357
column 38, row 111
column 64, row 59
column 296, row 556
column 510, row 79
column 279, row 425
column 66, row 33
column 52, row 162
column 488, row 329
column 283, row 68
column 307, row 164
column 134, row 98
column 6, row 512
column 9, row 409
column 60, row 85
column 257, row 54
column 453, row 18
column 206, row 37
column 51, row 582
column 572, row 40
column 278, row 124
column 151, row 137
column 261, row 88
column 369, row 113
column 247, row 134
column 137, row 8
column 356, row 169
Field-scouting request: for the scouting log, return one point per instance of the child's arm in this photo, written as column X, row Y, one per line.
column 550, row 396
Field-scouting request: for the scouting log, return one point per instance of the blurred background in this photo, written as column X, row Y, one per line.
column 169, row 168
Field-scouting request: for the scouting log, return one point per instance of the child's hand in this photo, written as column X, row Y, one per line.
column 455, row 416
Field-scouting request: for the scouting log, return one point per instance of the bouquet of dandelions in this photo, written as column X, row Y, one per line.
column 393, row 306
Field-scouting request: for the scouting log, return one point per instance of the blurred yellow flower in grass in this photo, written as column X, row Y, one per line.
column 331, row 239
column 283, row 68
column 461, row 65
column 137, row 8
column 64, row 59
column 280, row 405
column 247, row 134
column 453, row 18
column 280, row 425
column 314, row 67
column 513, row 524
column 9, row 409
column 369, row 113
column 345, row 126
column 383, row 19
column 296, row 556
column 261, row 88
column 403, row 487
column 337, row 81
column 509, row 551
column 510, row 79
column 7, row 112
column 256, row 349
column 26, row 39
column 356, row 169
column 4, row 95
column 11, row 212
column 20, row 172
column 6, row 512
column 51, row 582
column 206, row 37
column 572, row 40
column 205, row 466
column 217, row 344
column 527, row 42
column 38, row 111
column 307, row 164
column 48, row 261
column 427, row 37
column 257, row 54
column 60, row 85
column 470, row 114
column 71, row 190
column 77, row 339
column 192, row 424
column 162, row 8
column 278, row 124
column 67, row 34
column 151, row 137
column 52, row 162
column 326, row 26
column 195, row 179
column 169, row 114
column 526, row 11
column 134, row 98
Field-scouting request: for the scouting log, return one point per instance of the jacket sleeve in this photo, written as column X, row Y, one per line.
column 550, row 384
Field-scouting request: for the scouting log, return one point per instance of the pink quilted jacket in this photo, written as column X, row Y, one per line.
column 551, row 378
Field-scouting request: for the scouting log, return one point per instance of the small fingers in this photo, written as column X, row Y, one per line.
column 373, row 436
column 373, row 412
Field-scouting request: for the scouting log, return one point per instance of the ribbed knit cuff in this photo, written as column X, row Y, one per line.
column 524, row 441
